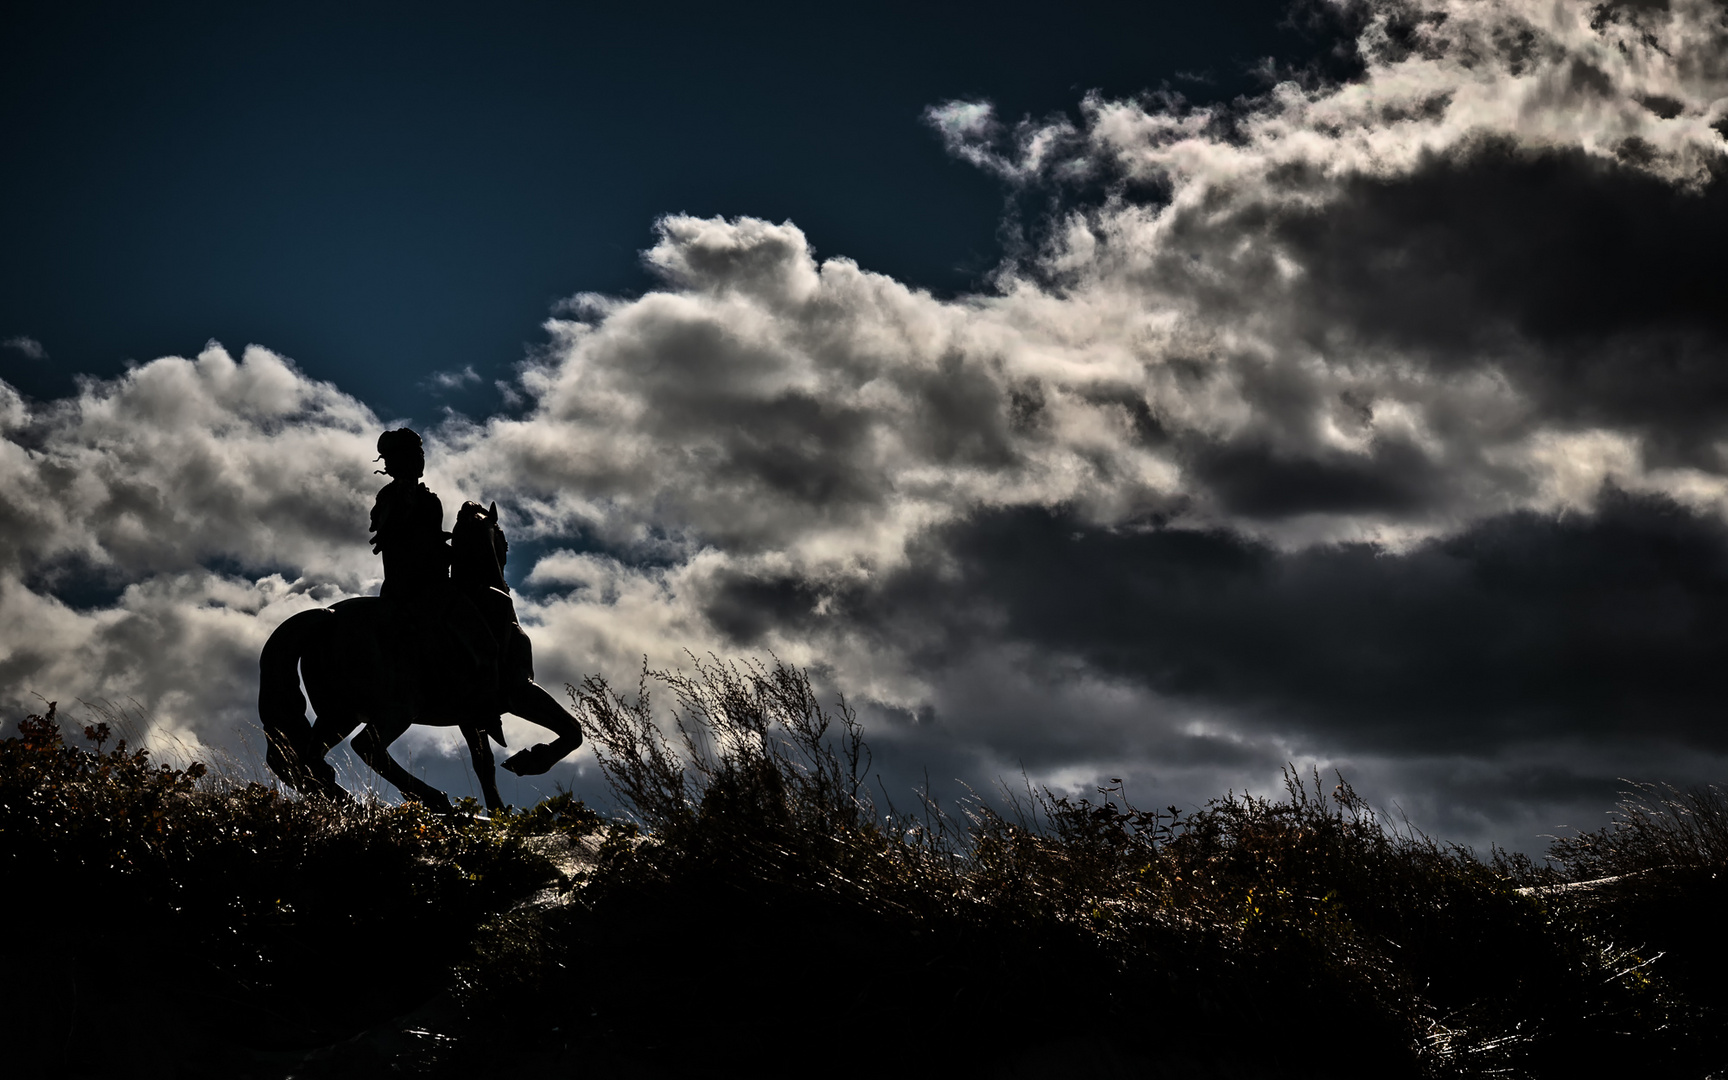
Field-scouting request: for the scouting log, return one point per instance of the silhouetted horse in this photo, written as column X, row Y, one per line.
column 356, row 675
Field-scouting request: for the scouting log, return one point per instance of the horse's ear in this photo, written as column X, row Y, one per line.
column 493, row 513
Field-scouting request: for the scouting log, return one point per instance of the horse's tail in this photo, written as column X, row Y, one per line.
column 290, row 751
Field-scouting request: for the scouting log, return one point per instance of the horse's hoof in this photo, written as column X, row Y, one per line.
column 529, row 762
column 278, row 764
column 442, row 806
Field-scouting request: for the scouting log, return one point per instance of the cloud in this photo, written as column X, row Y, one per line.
column 179, row 464
column 972, row 132
column 1374, row 423
column 451, row 380
column 29, row 346
column 1526, row 629
column 157, row 525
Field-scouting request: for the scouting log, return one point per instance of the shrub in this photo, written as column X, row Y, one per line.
column 775, row 885
column 1653, row 883
column 142, row 897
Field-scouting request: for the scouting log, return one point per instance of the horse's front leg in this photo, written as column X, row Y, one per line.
column 373, row 746
column 531, row 702
column 480, row 750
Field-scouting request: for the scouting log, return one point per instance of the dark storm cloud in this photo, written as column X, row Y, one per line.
column 1596, row 287
column 1524, row 628
column 1496, row 685
column 1253, row 481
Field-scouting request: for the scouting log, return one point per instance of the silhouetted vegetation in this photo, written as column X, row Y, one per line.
column 153, row 920
column 759, row 910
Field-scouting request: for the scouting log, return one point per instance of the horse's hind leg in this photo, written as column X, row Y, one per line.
column 313, row 775
column 480, row 749
column 290, row 750
column 373, row 746
column 330, row 728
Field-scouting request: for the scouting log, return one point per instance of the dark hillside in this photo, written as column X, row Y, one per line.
column 761, row 913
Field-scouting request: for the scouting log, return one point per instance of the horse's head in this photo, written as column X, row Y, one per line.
column 478, row 544
column 474, row 515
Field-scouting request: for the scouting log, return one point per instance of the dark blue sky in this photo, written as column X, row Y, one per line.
column 381, row 191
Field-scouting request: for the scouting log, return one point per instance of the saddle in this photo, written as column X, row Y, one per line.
column 450, row 652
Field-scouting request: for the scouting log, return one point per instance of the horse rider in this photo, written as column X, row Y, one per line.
column 440, row 635
column 408, row 523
